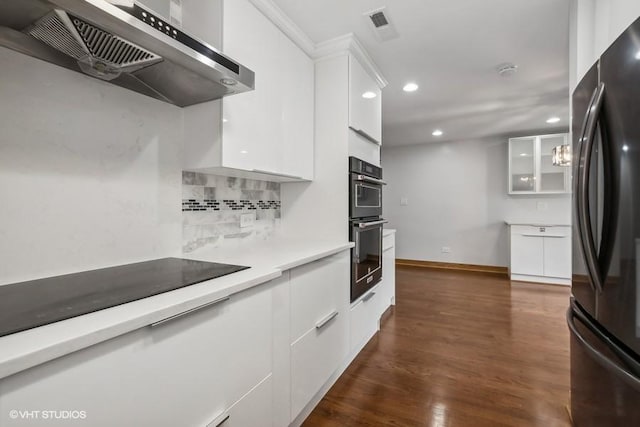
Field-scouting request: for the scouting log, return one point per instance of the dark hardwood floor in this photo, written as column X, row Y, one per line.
column 459, row 349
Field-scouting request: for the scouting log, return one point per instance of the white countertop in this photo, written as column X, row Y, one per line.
column 267, row 259
column 539, row 223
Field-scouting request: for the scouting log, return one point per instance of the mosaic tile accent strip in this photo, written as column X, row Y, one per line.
column 212, row 206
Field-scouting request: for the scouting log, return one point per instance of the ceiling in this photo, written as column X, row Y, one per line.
column 451, row 49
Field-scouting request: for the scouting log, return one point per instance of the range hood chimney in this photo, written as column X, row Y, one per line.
column 124, row 43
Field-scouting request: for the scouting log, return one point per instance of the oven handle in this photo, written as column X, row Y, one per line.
column 371, row 223
column 370, row 179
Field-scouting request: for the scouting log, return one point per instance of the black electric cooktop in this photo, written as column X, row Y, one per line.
column 39, row 302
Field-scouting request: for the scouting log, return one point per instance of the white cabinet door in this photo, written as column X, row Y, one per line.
column 527, row 254
column 297, row 86
column 552, row 179
column 522, row 161
column 265, row 132
column 365, row 101
column 185, row 372
column 252, row 121
column 557, row 256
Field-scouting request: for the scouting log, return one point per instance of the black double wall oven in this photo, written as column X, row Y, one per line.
column 365, row 225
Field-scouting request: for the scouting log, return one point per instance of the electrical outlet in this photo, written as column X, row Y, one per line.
column 446, row 250
column 247, row 219
column 404, row 201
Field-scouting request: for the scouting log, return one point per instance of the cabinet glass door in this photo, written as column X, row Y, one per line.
column 522, row 162
column 552, row 178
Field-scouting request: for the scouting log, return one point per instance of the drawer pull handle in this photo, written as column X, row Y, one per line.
column 285, row 175
column 365, row 135
column 223, row 421
column 368, row 297
column 321, row 324
column 223, row 418
column 184, row 313
column 542, row 229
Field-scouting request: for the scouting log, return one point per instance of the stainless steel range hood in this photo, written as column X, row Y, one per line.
column 122, row 42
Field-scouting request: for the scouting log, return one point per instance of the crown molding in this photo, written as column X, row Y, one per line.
column 349, row 44
column 286, row 25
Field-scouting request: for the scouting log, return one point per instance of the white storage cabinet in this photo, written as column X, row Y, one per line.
column 540, row 253
column 266, row 133
column 531, row 170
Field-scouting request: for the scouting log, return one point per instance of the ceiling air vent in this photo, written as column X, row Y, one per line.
column 381, row 25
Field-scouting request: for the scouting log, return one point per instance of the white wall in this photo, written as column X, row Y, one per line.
column 457, row 194
column 90, row 174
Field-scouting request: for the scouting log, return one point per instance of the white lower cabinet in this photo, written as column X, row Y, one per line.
column 319, row 326
column 540, row 254
column 365, row 319
column 264, row 357
column 186, row 372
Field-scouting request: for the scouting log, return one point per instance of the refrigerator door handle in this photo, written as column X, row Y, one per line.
column 626, row 376
column 584, row 219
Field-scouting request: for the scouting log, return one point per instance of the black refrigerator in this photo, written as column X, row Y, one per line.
column 604, row 312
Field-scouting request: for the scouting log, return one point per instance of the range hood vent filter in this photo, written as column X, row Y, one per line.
column 98, row 53
column 125, row 43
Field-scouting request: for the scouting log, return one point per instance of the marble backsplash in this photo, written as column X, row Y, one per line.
column 212, row 206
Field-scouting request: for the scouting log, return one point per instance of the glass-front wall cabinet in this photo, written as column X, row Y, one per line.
column 531, row 169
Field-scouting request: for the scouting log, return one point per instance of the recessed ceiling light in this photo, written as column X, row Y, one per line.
column 410, row 87
column 243, row 151
column 437, row 132
column 369, row 95
column 553, row 119
column 224, row 120
column 625, row 148
column 523, row 154
column 638, row 55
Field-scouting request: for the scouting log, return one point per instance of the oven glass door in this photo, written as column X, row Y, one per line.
column 366, row 198
column 366, row 268
column 367, row 195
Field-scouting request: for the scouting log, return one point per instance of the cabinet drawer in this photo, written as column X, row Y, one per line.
column 364, row 316
column 252, row 410
column 541, row 230
column 317, row 290
column 314, row 358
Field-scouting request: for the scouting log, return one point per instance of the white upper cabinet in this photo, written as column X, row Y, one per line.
column 267, row 132
column 365, row 103
column 530, row 165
